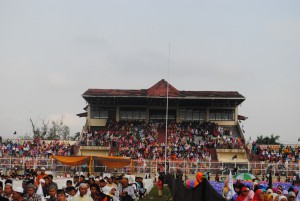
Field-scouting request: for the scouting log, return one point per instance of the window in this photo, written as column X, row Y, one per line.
column 192, row 115
column 221, row 114
column 99, row 113
column 131, row 114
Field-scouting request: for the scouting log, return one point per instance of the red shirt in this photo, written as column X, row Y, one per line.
column 159, row 184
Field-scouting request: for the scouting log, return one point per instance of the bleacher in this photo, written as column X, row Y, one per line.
column 186, row 140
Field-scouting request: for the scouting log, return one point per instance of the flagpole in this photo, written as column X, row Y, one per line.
column 167, row 111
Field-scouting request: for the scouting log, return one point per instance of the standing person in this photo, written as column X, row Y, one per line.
column 96, row 194
column 83, row 193
column 18, row 194
column 127, row 192
column 159, row 184
column 1, row 187
column 31, row 195
column 75, row 180
column 40, row 176
column 217, row 178
column 68, row 185
column 61, row 195
column 259, row 195
column 29, row 178
column 243, row 195
column 91, row 180
column 1, row 191
column 81, row 180
column 141, row 188
column 8, row 191
column 103, row 187
column 72, row 192
column 51, row 182
column 114, row 194
column 110, row 182
column 52, row 194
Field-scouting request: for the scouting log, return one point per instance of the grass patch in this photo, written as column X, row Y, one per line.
column 153, row 194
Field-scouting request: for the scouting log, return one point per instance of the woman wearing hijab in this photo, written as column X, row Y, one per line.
column 274, row 196
column 250, row 195
column 268, row 195
column 243, row 195
column 282, row 198
column 259, row 195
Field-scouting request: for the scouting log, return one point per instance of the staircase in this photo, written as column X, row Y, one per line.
column 113, row 149
column 213, row 154
column 161, row 135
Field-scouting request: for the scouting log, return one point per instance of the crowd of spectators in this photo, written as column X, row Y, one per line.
column 186, row 140
column 35, row 148
column 135, row 139
column 276, row 153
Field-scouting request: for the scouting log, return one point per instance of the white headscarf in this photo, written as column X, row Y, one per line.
column 281, row 197
column 274, row 195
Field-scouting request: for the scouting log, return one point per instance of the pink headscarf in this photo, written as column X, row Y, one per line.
column 250, row 196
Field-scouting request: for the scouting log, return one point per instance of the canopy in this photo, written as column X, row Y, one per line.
column 109, row 161
column 113, row 161
column 73, row 160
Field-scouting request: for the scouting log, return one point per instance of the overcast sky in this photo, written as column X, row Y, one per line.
column 51, row 52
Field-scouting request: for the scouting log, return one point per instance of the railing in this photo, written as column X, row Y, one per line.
column 151, row 166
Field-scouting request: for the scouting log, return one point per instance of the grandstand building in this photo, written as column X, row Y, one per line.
column 150, row 105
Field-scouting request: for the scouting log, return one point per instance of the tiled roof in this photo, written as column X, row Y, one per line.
column 160, row 90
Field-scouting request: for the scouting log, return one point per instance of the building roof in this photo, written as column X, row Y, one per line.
column 160, row 90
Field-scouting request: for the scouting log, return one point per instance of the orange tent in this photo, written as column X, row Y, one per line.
column 109, row 161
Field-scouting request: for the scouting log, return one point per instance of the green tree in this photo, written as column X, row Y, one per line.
column 272, row 140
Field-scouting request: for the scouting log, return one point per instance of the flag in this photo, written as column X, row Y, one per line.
column 231, row 191
column 235, row 156
column 40, row 192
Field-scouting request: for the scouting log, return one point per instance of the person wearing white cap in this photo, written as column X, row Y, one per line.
column 83, row 193
column 40, row 176
column 18, row 194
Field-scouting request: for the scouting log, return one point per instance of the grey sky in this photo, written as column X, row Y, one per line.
column 52, row 51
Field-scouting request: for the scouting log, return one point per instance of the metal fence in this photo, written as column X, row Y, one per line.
column 152, row 166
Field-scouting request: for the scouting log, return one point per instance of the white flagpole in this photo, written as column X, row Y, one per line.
column 167, row 111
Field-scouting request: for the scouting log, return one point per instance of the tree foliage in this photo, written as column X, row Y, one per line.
column 54, row 130
column 272, row 140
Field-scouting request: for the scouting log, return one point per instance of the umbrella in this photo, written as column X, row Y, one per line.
column 244, row 176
